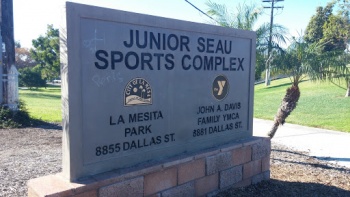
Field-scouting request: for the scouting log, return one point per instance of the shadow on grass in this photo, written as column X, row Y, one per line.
column 287, row 84
column 280, row 85
column 39, row 90
column 277, row 188
column 43, row 96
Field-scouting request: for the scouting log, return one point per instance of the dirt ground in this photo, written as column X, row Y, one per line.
column 295, row 173
column 33, row 152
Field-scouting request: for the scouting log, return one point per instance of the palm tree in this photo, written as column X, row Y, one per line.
column 347, row 79
column 278, row 37
column 299, row 61
column 245, row 18
column 293, row 61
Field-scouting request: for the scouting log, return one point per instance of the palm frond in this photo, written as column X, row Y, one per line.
column 220, row 13
column 244, row 18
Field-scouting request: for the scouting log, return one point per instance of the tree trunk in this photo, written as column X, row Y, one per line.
column 348, row 91
column 288, row 104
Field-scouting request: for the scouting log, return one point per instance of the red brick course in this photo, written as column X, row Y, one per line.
column 230, row 176
column 252, row 168
column 191, row 170
column 207, row 184
column 242, row 155
column 204, row 174
column 92, row 193
column 265, row 163
column 218, row 162
column 159, row 181
column 181, row 190
column 244, row 183
column 129, row 188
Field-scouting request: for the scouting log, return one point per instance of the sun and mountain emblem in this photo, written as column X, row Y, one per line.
column 137, row 92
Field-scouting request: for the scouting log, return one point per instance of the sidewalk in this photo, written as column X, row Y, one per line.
column 333, row 146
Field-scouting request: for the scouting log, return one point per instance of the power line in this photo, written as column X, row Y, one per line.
column 201, row 11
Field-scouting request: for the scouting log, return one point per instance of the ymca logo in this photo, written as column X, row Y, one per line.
column 220, row 87
column 137, row 92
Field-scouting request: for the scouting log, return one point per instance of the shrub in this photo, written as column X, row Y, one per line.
column 14, row 119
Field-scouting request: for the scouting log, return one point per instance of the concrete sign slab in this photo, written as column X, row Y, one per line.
column 138, row 88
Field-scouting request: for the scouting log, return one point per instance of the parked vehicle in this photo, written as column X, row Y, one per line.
column 56, row 81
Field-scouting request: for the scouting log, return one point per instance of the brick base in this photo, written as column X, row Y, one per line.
column 236, row 165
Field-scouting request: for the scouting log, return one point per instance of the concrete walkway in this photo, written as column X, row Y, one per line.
column 333, row 146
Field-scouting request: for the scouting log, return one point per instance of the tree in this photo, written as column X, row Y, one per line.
column 338, row 69
column 335, row 33
column 314, row 30
column 293, row 61
column 319, row 55
column 336, row 38
column 46, row 53
column 23, row 58
column 245, row 18
column 332, row 32
column 299, row 61
column 17, row 44
column 31, row 78
column 345, row 11
column 344, row 5
column 263, row 33
column 347, row 94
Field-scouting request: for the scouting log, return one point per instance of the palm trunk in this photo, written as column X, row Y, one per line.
column 288, row 104
column 348, row 91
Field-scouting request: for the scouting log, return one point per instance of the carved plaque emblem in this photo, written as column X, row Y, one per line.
column 137, row 92
column 220, row 87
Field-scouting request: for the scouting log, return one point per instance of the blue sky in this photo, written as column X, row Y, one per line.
column 31, row 17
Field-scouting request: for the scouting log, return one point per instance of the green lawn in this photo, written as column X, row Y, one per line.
column 43, row 104
column 321, row 104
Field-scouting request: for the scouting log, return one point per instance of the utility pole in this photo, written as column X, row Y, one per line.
column 269, row 51
column 8, row 50
column 1, row 50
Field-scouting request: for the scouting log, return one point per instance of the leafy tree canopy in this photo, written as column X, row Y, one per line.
column 23, row 58
column 46, row 53
column 17, row 44
column 31, row 78
column 314, row 30
column 331, row 30
column 335, row 33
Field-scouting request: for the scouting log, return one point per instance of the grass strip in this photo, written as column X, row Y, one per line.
column 321, row 104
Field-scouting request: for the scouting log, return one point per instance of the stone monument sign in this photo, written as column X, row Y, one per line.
column 139, row 88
